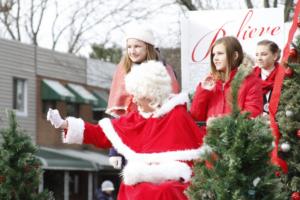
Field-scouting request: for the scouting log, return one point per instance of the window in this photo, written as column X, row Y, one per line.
column 73, row 109
column 20, row 96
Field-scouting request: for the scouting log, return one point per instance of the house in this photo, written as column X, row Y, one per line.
column 33, row 79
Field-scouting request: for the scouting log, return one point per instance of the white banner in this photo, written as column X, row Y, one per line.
column 200, row 29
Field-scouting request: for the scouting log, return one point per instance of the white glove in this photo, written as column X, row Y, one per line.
column 116, row 161
column 54, row 117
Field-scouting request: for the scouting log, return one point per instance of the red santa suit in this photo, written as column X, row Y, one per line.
column 158, row 146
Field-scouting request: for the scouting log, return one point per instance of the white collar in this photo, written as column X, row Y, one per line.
column 266, row 72
column 168, row 105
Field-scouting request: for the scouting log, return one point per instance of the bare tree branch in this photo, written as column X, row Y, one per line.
column 7, row 25
column 288, row 8
column 40, row 8
column 249, row 3
column 7, row 6
column 84, row 27
column 266, row 4
column 7, row 19
column 58, row 35
column 188, row 4
column 18, row 20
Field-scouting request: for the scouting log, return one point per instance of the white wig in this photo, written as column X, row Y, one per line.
column 150, row 80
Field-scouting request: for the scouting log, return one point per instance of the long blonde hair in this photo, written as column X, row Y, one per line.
column 152, row 54
column 232, row 45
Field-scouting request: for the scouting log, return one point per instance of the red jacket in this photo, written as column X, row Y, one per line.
column 215, row 102
column 267, row 85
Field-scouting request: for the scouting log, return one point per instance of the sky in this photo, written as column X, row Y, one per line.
column 165, row 22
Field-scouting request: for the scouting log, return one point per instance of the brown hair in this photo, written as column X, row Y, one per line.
column 273, row 47
column 232, row 45
column 152, row 54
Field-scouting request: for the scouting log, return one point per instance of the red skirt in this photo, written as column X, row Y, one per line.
column 169, row 190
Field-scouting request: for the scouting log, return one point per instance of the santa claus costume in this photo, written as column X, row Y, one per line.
column 159, row 146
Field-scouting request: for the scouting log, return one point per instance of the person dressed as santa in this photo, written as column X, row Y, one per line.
column 159, row 140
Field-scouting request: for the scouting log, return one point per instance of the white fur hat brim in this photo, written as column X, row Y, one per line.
column 141, row 33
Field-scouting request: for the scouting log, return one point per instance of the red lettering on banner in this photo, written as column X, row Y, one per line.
column 262, row 30
column 246, row 31
column 250, row 32
column 245, row 21
column 220, row 30
column 275, row 30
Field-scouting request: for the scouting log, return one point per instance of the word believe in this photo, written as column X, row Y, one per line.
column 244, row 32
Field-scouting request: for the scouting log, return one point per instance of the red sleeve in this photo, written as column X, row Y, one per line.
column 253, row 101
column 200, row 104
column 93, row 134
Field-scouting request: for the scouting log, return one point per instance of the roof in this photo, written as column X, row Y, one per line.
column 69, row 159
column 82, row 94
column 54, row 90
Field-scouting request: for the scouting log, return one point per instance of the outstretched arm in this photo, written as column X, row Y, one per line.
column 77, row 131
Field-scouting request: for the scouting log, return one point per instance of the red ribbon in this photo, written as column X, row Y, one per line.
column 274, row 101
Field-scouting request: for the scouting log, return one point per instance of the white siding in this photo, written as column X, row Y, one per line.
column 17, row 60
column 61, row 66
column 20, row 60
column 100, row 73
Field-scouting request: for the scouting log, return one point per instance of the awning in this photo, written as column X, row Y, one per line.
column 102, row 100
column 54, row 90
column 82, row 95
column 68, row 159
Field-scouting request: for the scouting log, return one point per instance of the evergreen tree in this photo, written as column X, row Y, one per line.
column 288, row 117
column 112, row 54
column 19, row 168
column 239, row 166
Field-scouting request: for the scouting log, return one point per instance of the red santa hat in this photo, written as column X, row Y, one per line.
column 141, row 33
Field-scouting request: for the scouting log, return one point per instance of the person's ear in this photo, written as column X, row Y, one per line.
column 235, row 55
column 276, row 57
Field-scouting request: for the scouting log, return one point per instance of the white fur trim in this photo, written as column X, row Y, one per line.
column 141, row 33
column 136, row 172
column 111, row 110
column 183, row 155
column 178, row 99
column 145, row 115
column 170, row 104
column 174, row 100
column 114, row 138
column 75, row 131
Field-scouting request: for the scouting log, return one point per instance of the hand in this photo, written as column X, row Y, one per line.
column 208, row 82
column 55, row 119
column 116, row 161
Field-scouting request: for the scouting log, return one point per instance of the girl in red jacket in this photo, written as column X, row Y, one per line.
column 159, row 140
column 212, row 96
column 267, row 55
